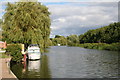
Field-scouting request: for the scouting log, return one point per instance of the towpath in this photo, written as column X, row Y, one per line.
column 5, row 72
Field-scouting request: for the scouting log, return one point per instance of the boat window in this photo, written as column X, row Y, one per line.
column 33, row 51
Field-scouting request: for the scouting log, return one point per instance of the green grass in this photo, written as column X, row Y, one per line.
column 102, row 46
column 3, row 55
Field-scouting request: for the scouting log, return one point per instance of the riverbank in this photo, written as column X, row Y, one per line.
column 101, row 46
column 6, row 73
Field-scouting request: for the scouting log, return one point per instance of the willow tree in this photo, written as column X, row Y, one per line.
column 27, row 22
column 0, row 29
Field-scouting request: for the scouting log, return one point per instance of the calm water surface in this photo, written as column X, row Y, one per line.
column 70, row 62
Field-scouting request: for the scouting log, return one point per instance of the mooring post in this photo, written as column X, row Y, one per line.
column 25, row 57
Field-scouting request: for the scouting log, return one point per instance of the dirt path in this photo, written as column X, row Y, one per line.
column 5, row 72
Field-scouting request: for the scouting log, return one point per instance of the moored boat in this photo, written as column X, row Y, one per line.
column 58, row 44
column 33, row 52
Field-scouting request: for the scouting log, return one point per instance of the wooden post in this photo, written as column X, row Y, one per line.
column 25, row 57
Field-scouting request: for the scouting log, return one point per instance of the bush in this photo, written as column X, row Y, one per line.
column 15, row 51
column 102, row 46
column 116, row 46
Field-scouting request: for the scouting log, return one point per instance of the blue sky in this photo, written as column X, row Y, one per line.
column 76, row 17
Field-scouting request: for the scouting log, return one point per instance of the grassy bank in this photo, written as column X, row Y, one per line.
column 3, row 55
column 102, row 46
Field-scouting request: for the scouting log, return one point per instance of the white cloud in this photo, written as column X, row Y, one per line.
column 76, row 18
column 78, row 0
column 62, row 0
column 60, row 20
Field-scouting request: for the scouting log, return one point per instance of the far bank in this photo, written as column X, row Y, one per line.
column 101, row 46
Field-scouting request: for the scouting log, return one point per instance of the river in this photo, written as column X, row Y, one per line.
column 70, row 62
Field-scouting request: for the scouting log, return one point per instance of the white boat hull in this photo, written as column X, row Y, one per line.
column 33, row 53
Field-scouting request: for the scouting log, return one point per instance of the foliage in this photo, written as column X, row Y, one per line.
column 104, row 38
column 44, row 69
column 3, row 55
column 57, row 36
column 14, row 50
column 0, row 22
column 107, row 34
column 0, row 29
column 49, row 42
column 59, row 40
column 102, row 46
column 27, row 23
column 98, row 38
column 72, row 40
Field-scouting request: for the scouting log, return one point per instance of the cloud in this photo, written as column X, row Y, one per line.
column 60, row 20
column 61, row 0
column 77, row 18
column 78, row 0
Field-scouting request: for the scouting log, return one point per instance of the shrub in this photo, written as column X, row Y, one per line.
column 102, row 46
column 15, row 51
column 116, row 46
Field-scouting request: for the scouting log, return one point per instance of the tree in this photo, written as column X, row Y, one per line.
column 0, row 22
column 28, row 23
column 15, row 51
column 57, row 36
column 0, row 29
column 72, row 40
column 59, row 40
column 106, row 34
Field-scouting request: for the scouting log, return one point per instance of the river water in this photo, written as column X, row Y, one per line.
column 70, row 62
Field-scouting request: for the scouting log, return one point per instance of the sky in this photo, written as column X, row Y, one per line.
column 76, row 16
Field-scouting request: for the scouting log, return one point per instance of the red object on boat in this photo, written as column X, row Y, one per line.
column 25, row 57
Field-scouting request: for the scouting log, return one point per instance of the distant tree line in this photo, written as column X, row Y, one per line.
column 71, row 40
column 107, row 34
column 59, row 40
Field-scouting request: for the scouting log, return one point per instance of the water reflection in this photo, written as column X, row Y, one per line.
column 70, row 62
column 44, row 69
column 32, row 69
column 75, row 62
column 34, row 65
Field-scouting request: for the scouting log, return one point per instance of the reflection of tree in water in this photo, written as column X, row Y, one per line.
column 16, row 69
column 33, row 69
column 44, row 68
column 41, row 71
